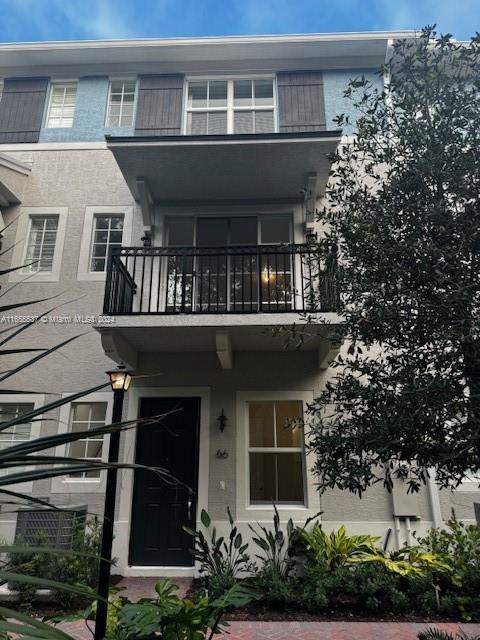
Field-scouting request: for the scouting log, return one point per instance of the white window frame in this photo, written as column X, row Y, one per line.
column 19, row 254
column 38, row 400
column 91, row 212
column 32, row 264
column 247, row 512
column 133, row 79
column 230, row 108
column 68, row 484
column 60, row 83
column 275, row 449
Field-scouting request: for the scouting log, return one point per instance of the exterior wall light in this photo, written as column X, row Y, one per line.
column 222, row 421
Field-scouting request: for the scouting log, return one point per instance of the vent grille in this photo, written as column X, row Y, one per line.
column 59, row 527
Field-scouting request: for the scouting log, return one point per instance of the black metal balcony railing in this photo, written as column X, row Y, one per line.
column 247, row 279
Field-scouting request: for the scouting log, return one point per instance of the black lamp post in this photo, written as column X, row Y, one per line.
column 120, row 379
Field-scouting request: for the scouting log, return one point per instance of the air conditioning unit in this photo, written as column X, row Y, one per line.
column 57, row 525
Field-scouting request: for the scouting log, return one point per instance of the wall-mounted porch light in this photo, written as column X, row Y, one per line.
column 222, row 421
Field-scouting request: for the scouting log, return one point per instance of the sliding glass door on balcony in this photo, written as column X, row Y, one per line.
column 228, row 274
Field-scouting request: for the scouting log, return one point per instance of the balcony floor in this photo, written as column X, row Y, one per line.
column 128, row 336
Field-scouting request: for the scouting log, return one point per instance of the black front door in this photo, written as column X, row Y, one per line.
column 161, row 507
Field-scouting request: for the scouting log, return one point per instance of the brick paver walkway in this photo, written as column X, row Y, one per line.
column 136, row 588
column 312, row 630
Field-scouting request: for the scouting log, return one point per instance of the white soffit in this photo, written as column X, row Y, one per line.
column 332, row 49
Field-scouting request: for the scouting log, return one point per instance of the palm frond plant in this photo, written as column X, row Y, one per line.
column 439, row 634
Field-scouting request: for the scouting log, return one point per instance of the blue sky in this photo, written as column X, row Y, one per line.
column 30, row 20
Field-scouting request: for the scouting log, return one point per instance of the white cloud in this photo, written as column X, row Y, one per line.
column 65, row 19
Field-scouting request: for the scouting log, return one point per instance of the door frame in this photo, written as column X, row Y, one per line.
column 123, row 517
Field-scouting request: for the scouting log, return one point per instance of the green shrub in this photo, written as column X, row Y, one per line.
column 222, row 561
column 78, row 567
column 363, row 587
column 311, row 589
column 28, row 563
column 334, row 549
column 459, row 547
column 278, row 591
column 273, row 544
column 166, row 616
column 280, row 552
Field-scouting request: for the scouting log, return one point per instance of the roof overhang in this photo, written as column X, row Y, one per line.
column 334, row 50
column 206, row 169
column 13, row 174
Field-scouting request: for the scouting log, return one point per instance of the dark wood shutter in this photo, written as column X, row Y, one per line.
column 159, row 108
column 301, row 104
column 21, row 109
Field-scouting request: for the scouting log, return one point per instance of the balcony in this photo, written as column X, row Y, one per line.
column 219, row 280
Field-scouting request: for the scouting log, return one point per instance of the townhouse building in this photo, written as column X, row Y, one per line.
column 163, row 193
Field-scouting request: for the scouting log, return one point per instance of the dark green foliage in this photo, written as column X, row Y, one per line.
column 167, row 614
column 29, row 563
column 368, row 588
column 459, row 545
column 223, row 561
column 78, row 567
column 403, row 216
column 278, row 591
column 274, row 546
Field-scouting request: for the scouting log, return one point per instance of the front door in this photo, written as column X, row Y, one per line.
column 161, row 507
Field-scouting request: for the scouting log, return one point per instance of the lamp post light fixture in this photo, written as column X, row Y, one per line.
column 120, row 379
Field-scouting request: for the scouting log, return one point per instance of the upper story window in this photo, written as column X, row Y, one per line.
column 42, row 236
column 121, row 103
column 107, row 233
column 230, row 106
column 61, row 105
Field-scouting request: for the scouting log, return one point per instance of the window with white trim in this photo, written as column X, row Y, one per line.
column 275, row 453
column 230, row 106
column 17, row 433
column 107, row 233
column 85, row 416
column 61, row 105
column 42, row 236
column 121, row 103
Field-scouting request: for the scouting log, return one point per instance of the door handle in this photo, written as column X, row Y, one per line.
column 189, row 508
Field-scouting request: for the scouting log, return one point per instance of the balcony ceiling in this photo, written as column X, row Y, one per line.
column 187, row 169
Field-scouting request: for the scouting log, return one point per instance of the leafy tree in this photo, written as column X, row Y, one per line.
column 403, row 216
